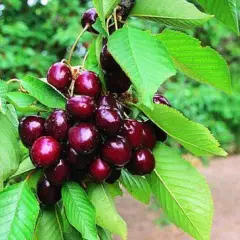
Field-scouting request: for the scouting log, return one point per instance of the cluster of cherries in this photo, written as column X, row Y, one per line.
column 92, row 140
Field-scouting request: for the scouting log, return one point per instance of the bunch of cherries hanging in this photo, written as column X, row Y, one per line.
column 93, row 139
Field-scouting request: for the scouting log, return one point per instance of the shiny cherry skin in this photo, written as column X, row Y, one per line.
column 47, row 193
column 114, row 176
column 79, row 161
column 57, row 125
column 149, row 136
column 109, row 121
column 81, row 107
column 60, row 76
column 99, row 170
column 58, row 173
column 107, row 101
column 45, row 152
column 88, row 83
column 83, row 138
column 160, row 99
column 133, row 132
column 30, row 129
column 142, row 162
column 116, row 151
column 160, row 134
column 107, row 61
column 89, row 18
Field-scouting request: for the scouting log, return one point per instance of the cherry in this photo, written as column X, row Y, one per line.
column 88, row 83
column 114, row 176
column 108, row 101
column 126, row 7
column 30, row 129
column 109, row 121
column 45, row 151
column 83, row 138
column 160, row 134
column 117, row 81
column 59, row 75
column 56, row 125
column 89, row 18
column 79, row 161
column 47, row 193
column 81, row 107
column 133, row 132
column 160, row 99
column 116, row 151
column 99, row 170
column 142, row 162
column 57, row 174
column 149, row 137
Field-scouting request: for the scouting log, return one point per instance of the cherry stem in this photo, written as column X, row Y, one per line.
column 30, row 174
column 72, row 87
column 107, row 23
column 84, row 59
column 13, row 80
column 115, row 18
column 76, row 42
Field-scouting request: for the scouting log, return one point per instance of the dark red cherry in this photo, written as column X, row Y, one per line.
column 108, row 101
column 116, row 151
column 133, row 132
column 45, row 152
column 47, row 193
column 109, row 121
column 125, row 7
column 58, row 173
column 142, row 162
column 99, row 170
column 79, row 161
column 114, row 176
column 88, row 83
column 60, row 76
column 30, row 129
column 83, row 138
column 81, row 107
column 89, row 18
column 107, row 61
column 149, row 137
column 117, row 81
column 56, row 125
column 160, row 99
column 160, row 134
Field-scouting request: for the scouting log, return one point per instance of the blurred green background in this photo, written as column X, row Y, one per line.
column 36, row 33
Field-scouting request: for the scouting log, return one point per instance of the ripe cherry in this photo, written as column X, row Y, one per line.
column 126, row 7
column 133, row 132
column 99, row 170
column 142, row 162
column 58, row 173
column 109, row 121
column 116, row 151
column 160, row 99
column 149, row 137
column 56, row 125
column 89, row 18
column 108, row 101
column 88, row 83
column 114, row 176
column 81, row 107
column 60, row 76
column 47, row 193
column 79, row 161
column 45, row 151
column 30, row 129
column 160, row 134
column 83, row 138
column 107, row 61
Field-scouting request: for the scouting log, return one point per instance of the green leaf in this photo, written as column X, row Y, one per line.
column 9, row 147
column 193, row 136
column 49, row 226
column 91, row 63
column 200, row 63
column 182, row 193
column 25, row 166
column 105, row 8
column 114, row 189
column 1, row 180
column 43, row 92
column 104, row 234
column 178, row 13
column 25, row 103
column 224, row 10
column 3, row 96
column 79, row 210
column 106, row 214
column 12, row 116
column 18, row 212
column 137, row 186
column 143, row 58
